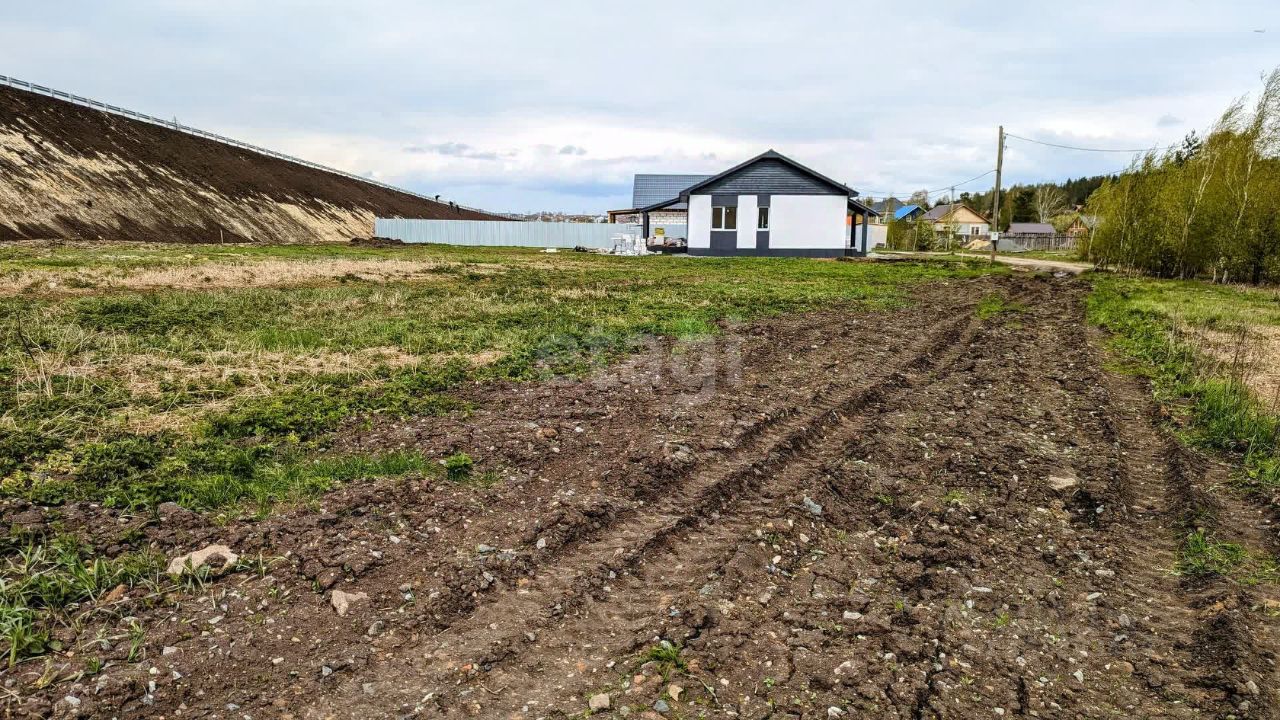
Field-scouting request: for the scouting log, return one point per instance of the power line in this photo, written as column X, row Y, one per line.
column 948, row 186
column 1085, row 149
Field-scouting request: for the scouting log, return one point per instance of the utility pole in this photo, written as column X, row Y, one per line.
column 953, row 216
column 995, row 221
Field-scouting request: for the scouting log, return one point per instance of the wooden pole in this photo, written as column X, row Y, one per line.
column 995, row 221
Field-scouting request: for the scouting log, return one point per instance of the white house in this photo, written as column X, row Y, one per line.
column 771, row 205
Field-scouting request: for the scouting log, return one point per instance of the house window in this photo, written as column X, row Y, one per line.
column 762, row 221
column 724, row 217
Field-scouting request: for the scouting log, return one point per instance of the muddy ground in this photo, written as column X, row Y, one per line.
column 912, row 513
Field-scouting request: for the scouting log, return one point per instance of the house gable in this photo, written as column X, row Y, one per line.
column 769, row 176
column 955, row 214
column 772, row 173
column 963, row 214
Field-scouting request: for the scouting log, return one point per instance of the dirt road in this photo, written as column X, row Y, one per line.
column 914, row 513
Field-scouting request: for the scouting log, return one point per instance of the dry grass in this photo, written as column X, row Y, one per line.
column 1248, row 353
column 220, row 275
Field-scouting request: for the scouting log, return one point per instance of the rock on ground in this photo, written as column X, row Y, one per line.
column 205, row 557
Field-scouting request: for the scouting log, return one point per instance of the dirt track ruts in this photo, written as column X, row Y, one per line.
column 944, row 576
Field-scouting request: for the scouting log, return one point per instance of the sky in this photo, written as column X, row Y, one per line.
column 521, row 106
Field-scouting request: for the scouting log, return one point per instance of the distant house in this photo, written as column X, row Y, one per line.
column 958, row 219
column 908, row 212
column 1031, row 229
column 886, row 208
column 771, row 205
column 1080, row 225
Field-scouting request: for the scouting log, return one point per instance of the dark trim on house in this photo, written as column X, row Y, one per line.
column 771, row 155
column 762, row 239
column 661, row 205
column 723, row 241
column 775, row 252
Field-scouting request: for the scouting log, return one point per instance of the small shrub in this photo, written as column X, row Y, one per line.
column 458, row 466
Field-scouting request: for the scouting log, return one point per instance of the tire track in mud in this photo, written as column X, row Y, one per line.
column 467, row 648
column 632, row 601
column 1233, row 644
column 471, row 582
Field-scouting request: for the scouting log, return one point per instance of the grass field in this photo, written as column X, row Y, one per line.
column 210, row 375
column 1211, row 354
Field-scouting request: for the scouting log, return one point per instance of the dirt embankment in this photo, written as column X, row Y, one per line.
column 915, row 513
column 70, row 172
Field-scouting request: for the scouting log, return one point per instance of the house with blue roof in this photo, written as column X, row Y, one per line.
column 908, row 212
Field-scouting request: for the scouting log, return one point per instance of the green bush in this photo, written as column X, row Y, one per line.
column 458, row 466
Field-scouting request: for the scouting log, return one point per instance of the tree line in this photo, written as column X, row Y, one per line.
column 1054, row 203
column 1208, row 207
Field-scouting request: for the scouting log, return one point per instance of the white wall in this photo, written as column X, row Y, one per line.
column 808, row 221
column 877, row 236
column 965, row 229
column 699, row 221
column 747, row 205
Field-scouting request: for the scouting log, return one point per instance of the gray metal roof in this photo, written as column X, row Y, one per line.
column 938, row 212
column 650, row 189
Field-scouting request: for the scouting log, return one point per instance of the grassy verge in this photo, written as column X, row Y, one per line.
column 1212, row 407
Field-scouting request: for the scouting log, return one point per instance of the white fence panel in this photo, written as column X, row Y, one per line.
column 503, row 233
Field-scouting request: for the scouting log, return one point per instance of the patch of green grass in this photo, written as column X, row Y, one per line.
column 457, row 467
column 1203, row 555
column 993, row 305
column 63, row 431
column 1212, row 411
column 667, row 657
column 40, row 577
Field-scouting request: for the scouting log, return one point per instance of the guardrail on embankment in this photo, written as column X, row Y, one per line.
column 175, row 125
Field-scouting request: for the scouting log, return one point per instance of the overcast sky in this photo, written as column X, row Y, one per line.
column 520, row 106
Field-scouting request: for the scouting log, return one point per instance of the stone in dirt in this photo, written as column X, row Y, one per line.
column 208, row 557
column 116, row 593
column 1061, row 481
column 813, row 507
column 342, row 601
column 675, row 691
column 598, row 702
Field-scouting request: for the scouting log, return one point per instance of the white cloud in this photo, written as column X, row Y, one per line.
column 515, row 106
